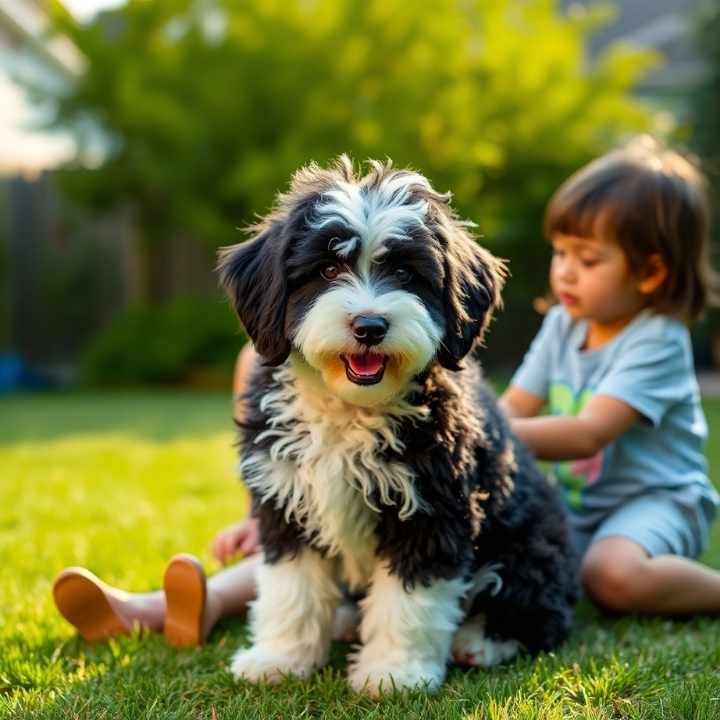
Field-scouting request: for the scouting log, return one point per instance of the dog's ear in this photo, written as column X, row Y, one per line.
column 253, row 274
column 473, row 281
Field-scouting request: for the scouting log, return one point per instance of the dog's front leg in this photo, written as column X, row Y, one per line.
column 406, row 635
column 291, row 620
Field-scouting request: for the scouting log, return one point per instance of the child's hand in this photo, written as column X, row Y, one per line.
column 241, row 537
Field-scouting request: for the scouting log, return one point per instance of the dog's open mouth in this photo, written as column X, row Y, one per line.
column 365, row 369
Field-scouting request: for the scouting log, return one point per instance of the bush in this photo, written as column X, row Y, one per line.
column 164, row 345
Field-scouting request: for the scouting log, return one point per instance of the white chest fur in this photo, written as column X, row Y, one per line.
column 325, row 468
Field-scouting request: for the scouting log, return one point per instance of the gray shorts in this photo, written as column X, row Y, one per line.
column 663, row 522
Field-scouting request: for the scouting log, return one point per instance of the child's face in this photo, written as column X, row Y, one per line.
column 592, row 279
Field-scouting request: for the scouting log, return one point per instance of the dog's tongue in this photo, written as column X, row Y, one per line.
column 368, row 364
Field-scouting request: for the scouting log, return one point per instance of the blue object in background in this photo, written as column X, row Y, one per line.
column 16, row 375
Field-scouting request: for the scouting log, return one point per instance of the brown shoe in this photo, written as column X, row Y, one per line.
column 84, row 601
column 185, row 597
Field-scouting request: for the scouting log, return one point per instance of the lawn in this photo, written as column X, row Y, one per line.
column 120, row 482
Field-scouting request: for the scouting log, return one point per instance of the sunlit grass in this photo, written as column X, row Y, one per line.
column 119, row 483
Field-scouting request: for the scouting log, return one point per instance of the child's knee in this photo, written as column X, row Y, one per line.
column 613, row 581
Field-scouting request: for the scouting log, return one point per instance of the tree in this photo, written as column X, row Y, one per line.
column 706, row 103
column 211, row 104
column 706, row 141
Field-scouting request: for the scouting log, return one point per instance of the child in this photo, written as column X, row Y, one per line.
column 613, row 361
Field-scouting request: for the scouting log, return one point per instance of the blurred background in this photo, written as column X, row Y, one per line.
column 136, row 137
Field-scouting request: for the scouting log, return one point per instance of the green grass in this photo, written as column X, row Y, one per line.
column 119, row 483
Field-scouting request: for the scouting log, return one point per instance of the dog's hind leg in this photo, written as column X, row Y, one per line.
column 472, row 647
column 346, row 622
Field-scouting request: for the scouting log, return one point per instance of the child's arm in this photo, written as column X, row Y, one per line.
column 529, row 386
column 602, row 420
column 519, row 403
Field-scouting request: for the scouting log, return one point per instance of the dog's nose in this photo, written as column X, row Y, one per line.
column 369, row 329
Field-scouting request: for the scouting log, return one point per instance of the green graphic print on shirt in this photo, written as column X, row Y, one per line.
column 574, row 475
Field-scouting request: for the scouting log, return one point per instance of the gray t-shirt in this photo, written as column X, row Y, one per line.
column 648, row 365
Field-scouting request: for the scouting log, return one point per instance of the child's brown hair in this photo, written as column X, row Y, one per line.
column 650, row 200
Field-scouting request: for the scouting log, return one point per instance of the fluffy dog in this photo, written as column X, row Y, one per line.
column 374, row 457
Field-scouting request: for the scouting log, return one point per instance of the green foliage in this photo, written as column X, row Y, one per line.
column 210, row 105
column 164, row 344
column 705, row 139
column 706, row 98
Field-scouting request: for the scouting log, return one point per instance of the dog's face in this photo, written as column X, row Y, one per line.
column 368, row 280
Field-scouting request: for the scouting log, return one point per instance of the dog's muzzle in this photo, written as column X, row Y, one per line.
column 366, row 368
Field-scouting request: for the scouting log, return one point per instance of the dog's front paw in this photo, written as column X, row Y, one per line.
column 267, row 664
column 380, row 677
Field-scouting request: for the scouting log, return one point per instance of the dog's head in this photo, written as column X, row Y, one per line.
column 368, row 279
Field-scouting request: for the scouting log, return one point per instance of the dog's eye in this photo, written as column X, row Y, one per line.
column 330, row 272
column 403, row 275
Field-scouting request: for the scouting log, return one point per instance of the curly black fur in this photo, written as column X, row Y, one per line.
column 473, row 496
column 458, row 451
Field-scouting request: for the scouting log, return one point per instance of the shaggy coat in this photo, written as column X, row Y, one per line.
column 376, row 455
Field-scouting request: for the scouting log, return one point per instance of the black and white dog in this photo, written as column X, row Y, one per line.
column 372, row 461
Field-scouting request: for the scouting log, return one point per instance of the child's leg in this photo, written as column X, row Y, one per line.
column 619, row 575
column 100, row 611
column 229, row 591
